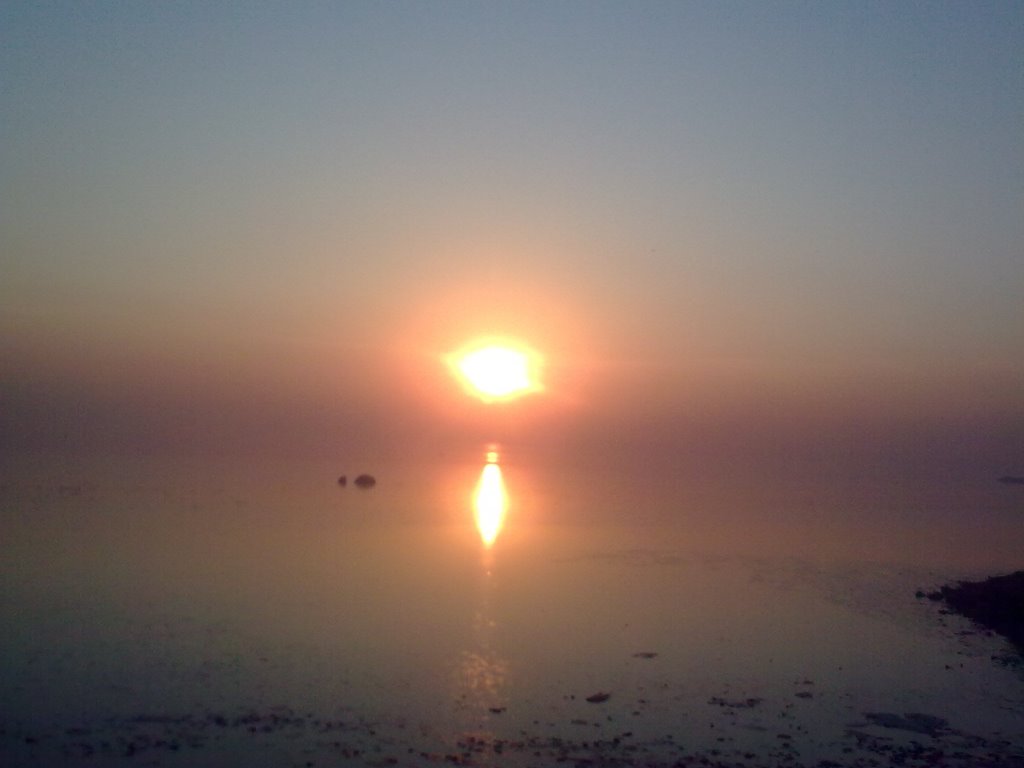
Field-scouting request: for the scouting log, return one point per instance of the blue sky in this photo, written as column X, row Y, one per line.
column 710, row 209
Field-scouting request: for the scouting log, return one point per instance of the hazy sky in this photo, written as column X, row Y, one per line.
column 782, row 224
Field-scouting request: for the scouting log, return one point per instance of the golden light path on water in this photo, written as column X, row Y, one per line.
column 490, row 501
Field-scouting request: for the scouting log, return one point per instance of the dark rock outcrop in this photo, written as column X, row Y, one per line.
column 365, row 481
column 996, row 603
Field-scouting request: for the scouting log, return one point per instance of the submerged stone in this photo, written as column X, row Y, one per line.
column 911, row 721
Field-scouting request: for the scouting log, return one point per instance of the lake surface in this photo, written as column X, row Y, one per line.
column 190, row 613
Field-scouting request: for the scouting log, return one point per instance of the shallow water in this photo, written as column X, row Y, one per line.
column 202, row 613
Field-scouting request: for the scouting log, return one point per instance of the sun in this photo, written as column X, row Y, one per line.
column 497, row 369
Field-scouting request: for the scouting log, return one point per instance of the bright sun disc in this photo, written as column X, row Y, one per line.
column 498, row 371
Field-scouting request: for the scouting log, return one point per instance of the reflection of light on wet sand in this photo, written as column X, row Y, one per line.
column 490, row 501
column 482, row 676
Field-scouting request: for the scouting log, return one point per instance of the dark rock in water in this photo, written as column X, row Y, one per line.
column 911, row 721
column 1011, row 480
column 750, row 703
column 597, row 698
column 365, row 481
column 996, row 603
column 343, row 481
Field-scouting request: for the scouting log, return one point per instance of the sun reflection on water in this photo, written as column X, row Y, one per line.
column 490, row 501
column 481, row 672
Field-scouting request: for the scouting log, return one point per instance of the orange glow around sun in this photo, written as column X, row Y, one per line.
column 497, row 369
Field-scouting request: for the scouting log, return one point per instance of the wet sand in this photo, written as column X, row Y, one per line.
column 280, row 736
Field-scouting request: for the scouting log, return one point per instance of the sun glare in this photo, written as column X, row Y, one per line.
column 497, row 370
column 490, row 502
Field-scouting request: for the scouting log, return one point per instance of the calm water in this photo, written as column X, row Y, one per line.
column 199, row 613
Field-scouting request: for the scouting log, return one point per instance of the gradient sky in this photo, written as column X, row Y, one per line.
column 794, row 226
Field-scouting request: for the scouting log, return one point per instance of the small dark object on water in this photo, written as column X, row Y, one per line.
column 497, row 710
column 1011, row 480
column 996, row 603
column 644, row 655
column 597, row 698
column 343, row 481
column 365, row 481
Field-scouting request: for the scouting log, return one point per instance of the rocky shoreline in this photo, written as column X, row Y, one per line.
column 996, row 603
